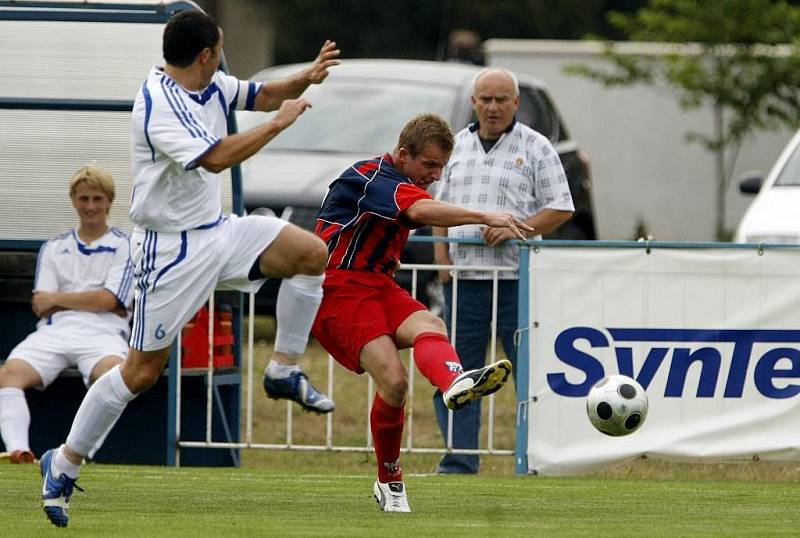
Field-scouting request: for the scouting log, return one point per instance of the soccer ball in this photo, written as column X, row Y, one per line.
column 617, row 405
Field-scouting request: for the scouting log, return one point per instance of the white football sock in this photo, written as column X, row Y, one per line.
column 99, row 411
column 62, row 465
column 276, row 370
column 15, row 419
column 100, row 441
column 296, row 308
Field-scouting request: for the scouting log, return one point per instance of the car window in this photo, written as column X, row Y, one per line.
column 790, row 173
column 532, row 113
column 358, row 116
column 560, row 132
column 537, row 111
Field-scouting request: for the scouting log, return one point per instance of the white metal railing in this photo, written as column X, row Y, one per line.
column 329, row 445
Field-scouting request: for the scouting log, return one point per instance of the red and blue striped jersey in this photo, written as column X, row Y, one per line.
column 362, row 218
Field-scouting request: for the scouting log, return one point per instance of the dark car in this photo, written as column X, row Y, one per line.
column 358, row 112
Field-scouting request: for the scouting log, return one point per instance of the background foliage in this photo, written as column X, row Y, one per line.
column 748, row 85
column 413, row 29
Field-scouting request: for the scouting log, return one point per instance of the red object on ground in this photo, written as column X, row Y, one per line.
column 194, row 339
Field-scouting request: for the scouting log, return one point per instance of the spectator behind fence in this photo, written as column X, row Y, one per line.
column 82, row 295
column 184, row 247
column 497, row 164
column 464, row 47
column 365, row 316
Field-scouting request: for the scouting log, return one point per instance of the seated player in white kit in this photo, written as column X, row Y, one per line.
column 82, row 293
column 183, row 247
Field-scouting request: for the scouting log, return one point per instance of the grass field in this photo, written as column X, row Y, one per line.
column 293, row 493
column 158, row 501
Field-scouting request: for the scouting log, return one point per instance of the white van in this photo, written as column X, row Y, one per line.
column 774, row 215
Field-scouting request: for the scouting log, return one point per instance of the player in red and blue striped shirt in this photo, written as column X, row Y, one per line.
column 362, row 218
column 365, row 317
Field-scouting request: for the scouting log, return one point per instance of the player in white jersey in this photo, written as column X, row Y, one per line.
column 183, row 247
column 82, row 292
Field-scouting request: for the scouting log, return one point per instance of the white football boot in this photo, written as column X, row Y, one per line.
column 391, row 496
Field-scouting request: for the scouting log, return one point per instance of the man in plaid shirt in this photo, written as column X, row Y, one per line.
column 498, row 164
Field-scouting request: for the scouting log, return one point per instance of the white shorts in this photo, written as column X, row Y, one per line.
column 51, row 349
column 177, row 271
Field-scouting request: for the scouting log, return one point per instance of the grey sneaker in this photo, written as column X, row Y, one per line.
column 475, row 384
column 391, row 496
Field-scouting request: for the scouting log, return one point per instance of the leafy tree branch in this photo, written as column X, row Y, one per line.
column 739, row 57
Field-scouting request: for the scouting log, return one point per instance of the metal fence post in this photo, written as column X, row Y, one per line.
column 523, row 361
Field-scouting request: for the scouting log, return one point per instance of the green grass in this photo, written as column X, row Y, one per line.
column 296, row 493
column 158, row 501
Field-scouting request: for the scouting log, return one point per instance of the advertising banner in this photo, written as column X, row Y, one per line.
column 712, row 334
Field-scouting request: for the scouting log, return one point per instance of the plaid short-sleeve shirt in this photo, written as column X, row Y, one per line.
column 521, row 174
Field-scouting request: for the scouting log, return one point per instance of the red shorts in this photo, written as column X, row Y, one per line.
column 358, row 307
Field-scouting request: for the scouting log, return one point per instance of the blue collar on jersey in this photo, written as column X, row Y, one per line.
column 205, row 95
column 83, row 249
column 198, row 97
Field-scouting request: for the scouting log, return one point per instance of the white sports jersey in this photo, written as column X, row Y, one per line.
column 69, row 265
column 172, row 129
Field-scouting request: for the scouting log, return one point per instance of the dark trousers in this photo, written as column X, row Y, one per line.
column 473, row 331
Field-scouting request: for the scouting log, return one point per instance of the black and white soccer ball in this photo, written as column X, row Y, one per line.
column 617, row 405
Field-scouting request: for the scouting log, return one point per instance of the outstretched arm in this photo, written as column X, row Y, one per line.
column 544, row 222
column 281, row 95
column 236, row 148
column 273, row 93
column 435, row 213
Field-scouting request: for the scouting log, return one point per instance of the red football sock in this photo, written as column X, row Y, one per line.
column 386, row 423
column 436, row 359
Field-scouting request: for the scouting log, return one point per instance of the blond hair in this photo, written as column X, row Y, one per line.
column 425, row 129
column 95, row 177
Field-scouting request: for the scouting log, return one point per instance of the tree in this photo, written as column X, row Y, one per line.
column 414, row 29
column 739, row 56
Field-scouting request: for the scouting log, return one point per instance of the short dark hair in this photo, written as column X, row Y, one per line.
column 186, row 34
column 425, row 129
